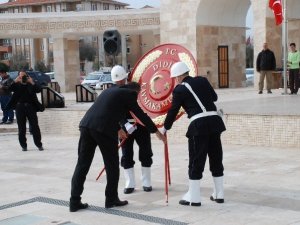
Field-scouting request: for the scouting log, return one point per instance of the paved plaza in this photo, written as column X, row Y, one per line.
column 261, row 183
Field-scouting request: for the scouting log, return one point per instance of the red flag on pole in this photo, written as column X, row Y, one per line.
column 276, row 6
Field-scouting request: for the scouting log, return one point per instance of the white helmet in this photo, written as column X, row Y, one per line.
column 118, row 73
column 178, row 69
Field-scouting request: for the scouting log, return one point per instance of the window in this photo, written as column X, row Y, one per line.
column 105, row 6
column 42, row 47
column 94, row 7
column 6, row 42
column 26, row 41
column 16, row 10
column 51, row 40
column 6, row 55
column 117, row 7
column 58, row 8
column 49, row 8
column 27, row 55
column 78, row 7
column 128, row 50
column 18, row 41
column 95, row 39
column 25, row 10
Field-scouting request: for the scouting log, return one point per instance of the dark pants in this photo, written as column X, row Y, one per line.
column 7, row 114
column 143, row 139
column 27, row 111
column 199, row 148
column 294, row 80
column 89, row 140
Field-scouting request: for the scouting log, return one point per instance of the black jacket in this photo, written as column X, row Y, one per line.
column 265, row 61
column 24, row 90
column 110, row 108
column 182, row 97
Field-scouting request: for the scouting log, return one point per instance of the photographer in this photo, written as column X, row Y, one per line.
column 26, row 104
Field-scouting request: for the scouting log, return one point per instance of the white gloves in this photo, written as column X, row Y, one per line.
column 163, row 130
column 130, row 128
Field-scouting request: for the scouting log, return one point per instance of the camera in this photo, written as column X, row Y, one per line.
column 24, row 79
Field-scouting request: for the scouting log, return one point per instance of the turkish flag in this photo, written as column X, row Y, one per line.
column 276, row 6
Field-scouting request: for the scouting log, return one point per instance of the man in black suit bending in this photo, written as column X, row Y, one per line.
column 100, row 127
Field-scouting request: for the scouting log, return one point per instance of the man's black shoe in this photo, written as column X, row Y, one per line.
column 116, row 203
column 220, row 200
column 269, row 92
column 41, row 148
column 147, row 189
column 128, row 190
column 260, row 92
column 184, row 202
column 24, row 149
column 77, row 206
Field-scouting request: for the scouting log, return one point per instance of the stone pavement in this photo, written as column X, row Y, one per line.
column 261, row 183
column 261, row 187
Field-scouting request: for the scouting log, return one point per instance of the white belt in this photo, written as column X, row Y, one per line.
column 203, row 114
column 131, row 120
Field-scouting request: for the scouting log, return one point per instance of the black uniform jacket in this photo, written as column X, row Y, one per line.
column 24, row 93
column 183, row 97
column 110, row 108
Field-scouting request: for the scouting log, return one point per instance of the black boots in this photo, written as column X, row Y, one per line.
column 75, row 206
column 115, row 203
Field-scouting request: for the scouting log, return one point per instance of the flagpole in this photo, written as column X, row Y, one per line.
column 284, row 43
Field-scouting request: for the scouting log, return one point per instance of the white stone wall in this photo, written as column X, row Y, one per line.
column 256, row 130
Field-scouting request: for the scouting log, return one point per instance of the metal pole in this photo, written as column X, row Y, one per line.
column 284, row 43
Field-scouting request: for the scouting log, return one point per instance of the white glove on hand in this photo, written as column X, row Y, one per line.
column 130, row 128
column 163, row 130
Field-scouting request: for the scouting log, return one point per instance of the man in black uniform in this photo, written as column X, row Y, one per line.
column 138, row 133
column 24, row 100
column 100, row 127
column 197, row 97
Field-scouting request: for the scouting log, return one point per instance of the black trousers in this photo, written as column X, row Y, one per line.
column 26, row 111
column 143, row 139
column 199, row 148
column 294, row 80
column 89, row 140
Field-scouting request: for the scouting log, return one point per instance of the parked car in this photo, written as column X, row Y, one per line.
column 51, row 75
column 92, row 79
column 38, row 77
column 249, row 77
column 104, row 80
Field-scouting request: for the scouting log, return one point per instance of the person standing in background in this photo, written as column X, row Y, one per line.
column 24, row 100
column 265, row 65
column 5, row 95
column 293, row 65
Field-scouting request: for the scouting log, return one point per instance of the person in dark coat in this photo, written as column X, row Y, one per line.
column 24, row 100
column 197, row 97
column 100, row 127
column 5, row 94
column 265, row 65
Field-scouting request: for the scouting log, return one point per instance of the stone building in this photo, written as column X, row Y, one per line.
column 34, row 50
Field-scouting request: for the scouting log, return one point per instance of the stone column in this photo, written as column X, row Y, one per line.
column 123, row 50
column 66, row 62
column 179, row 26
column 46, row 51
column 101, row 50
column 32, row 53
